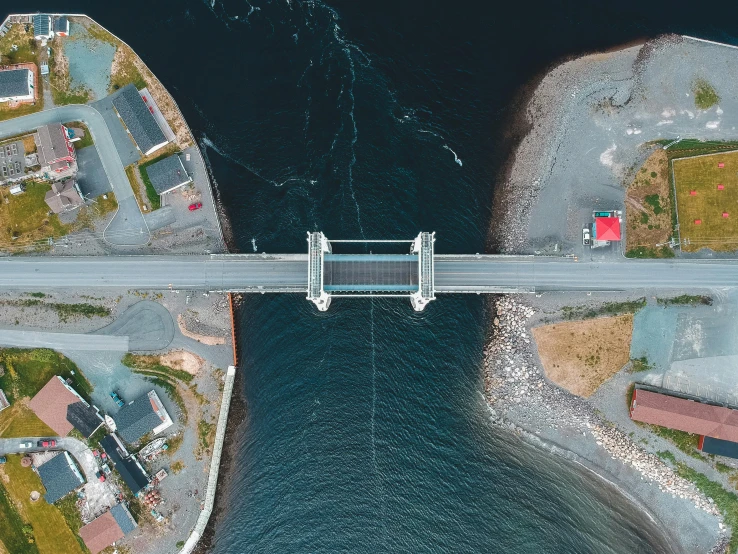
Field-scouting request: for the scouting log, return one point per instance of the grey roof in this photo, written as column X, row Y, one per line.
column 136, row 419
column 60, row 477
column 84, row 418
column 63, row 197
column 61, row 24
column 14, row 82
column 41, row 24
column 137, row 117
column 124, row 518
column 54, row 143
column 167, row 174
column 131, row 472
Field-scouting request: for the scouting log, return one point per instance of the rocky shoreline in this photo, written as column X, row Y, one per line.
column 521, row 398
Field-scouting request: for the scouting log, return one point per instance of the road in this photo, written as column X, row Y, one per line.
column 288, row 273
column 62, row 341
column 128, row 227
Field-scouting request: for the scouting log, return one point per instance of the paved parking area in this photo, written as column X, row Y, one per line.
column 91, row 175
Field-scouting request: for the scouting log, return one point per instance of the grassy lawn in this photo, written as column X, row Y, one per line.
column 152, row 365
column 142, row 203
column 25, row 218
column 703, row 175
column 705, row 96
column 68, row 508
column 50, row 529
column 91, row 213
column 19, row 421
column 27, row 371
column 125, row 70
column 686, row 442
column 12, row 527
column 608, row 308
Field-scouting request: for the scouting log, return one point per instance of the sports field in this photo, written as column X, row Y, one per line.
column 702, row 202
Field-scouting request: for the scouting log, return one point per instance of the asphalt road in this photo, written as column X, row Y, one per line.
column 128, row 227
column 288, row 273
column 62, row 341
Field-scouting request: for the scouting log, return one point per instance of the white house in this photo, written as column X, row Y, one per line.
column 16, row 85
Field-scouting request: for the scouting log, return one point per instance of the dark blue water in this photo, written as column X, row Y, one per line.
column 366, row 430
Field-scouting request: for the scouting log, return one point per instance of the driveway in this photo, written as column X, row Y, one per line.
column 128, row 227
column 91, row 175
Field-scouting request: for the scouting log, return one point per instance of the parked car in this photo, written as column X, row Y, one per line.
column 100, row 476
column 26, row 444
column 47, row 443
column 195, row 206
column 586, row 238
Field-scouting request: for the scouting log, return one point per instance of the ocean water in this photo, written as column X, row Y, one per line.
column 366, row 429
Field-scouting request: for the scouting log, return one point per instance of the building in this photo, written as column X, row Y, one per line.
column 146, row 414
column 42, row 27
column 61, row 26
column 16, row 85
column 606, row 228
column 64, row 197
column 60, row 476
column 167, row 174
column 56, row 152
column 103, row 531
column 131, row 471
column 12, row 161
column 718, row 447
column 139, row 120
column 685, row 415
column 60, row 407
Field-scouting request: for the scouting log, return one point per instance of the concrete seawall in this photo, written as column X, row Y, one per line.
column 207, row 510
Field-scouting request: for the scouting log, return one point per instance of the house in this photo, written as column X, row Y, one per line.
column 103, row 531
column 61, row 26
column 56, row 152
column 167, row 174
column 16, row 85
column 143, row 415
column 42, row 26
column 12, row 161
column 60, row 476
column 685, row 415
column 607, row 228
column 60, row 407
column 131, row 471
column 138, row 120
column 64, row 197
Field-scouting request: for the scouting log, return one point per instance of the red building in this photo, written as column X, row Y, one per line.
column 56, row 152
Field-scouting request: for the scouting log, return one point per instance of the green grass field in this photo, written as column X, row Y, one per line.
column 50, row 529
column 702, row 174
column 27, row 371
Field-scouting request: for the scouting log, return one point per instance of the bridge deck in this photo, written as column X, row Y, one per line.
column 370, row 272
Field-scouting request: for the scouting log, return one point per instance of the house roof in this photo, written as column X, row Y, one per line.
column 684, row 415
column 61, row 24
column 50, row 405
column 167, row 174
column 138, row 119
column 84, row 418
column 60, row 476
column 139, row 417
column 124, row 518
column 720, row 447
column 132, row 473
column 14, row 82
column 63, row 196
column 607, row 228
column 41, row 24
column 101, row 532
column 55, row 144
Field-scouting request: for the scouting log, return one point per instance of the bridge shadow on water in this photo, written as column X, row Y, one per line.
column 367, row 433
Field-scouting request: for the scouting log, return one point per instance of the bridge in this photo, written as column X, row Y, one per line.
column 419, row 274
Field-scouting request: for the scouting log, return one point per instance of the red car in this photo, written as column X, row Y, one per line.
column 195, row 206
column 46, row 443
